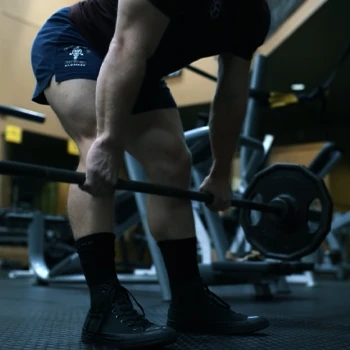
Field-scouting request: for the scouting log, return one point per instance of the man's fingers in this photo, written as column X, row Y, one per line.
column 219, row 204
column 86, row 187
column 215, row 205
column 90, row 189
column 96, row 188
column 226, row 204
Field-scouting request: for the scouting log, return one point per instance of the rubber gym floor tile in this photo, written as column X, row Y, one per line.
column 51, row 317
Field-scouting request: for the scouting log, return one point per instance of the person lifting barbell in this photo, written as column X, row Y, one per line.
column 87, row 53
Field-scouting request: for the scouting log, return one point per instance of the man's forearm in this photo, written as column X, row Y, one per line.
column 118, row 85
column 225, row 123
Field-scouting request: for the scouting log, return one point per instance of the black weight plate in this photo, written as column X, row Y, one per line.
column 300, row 234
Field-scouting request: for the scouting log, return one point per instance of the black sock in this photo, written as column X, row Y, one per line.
column 96, row 253
column 180, row 258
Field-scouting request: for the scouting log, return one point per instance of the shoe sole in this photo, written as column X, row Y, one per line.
column 122, row 343
column 240, row 328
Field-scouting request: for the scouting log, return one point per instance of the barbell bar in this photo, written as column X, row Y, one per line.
column 78, row 178
column 287, row 228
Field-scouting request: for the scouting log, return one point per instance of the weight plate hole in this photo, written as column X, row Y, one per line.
column 314, row 215
column 255, row 216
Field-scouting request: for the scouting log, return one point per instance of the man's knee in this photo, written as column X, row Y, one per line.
column 173, row 167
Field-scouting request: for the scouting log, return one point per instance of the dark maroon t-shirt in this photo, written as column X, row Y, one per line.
column 197, row 29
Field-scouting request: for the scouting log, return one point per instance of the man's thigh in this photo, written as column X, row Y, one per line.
column 73, row 101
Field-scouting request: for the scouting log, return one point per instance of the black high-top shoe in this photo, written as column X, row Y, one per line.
column 198, row 310
column 112, row 320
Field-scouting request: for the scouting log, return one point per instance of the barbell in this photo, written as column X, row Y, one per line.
column 285, row 212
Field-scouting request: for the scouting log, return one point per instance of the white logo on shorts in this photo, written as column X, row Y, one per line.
column 215, row 9
column 77, row 52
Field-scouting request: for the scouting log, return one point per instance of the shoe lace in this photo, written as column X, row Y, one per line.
column 125, row 311
column 214, row 298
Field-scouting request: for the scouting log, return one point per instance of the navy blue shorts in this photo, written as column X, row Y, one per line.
column 60, row 50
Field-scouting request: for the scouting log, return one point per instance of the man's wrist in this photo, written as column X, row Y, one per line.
column 220, row 171
column 108, row 140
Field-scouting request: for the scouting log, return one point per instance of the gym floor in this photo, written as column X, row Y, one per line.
column 33, row 317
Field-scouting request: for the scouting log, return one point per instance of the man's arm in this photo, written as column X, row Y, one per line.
column 227, row 112
column 140, row 26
